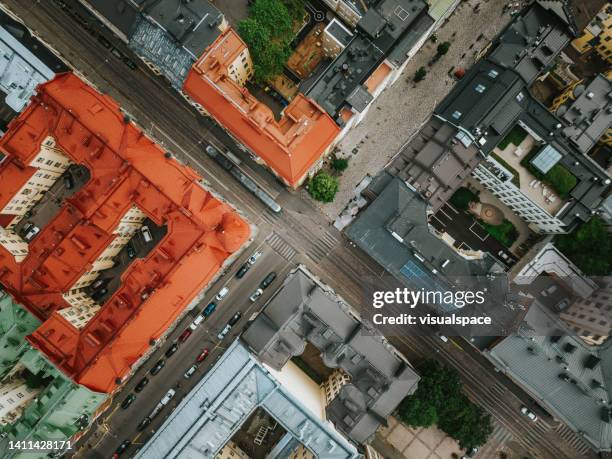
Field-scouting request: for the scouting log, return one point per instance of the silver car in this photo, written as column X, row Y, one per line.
column 223, row 333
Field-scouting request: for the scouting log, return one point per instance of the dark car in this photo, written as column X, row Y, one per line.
column 186, row 334
column 128, row 401
column 122, row 447
column 209, row 309
column 131, row 252
column 267, row 280
column 243, row 270
column 141, row 384
column 235, row 318
column 171, row 350
column 144, row 423
column 158, row 367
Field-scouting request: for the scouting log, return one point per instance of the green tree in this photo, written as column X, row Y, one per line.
column 273, row 16
column 268, row 56
column 339, row 164
column 462, row 198
column 439, row 400
column 323, row 187
column 465, row 422
column 589, row 247
column 420, row 74
column 296, row 9
column 443, row 48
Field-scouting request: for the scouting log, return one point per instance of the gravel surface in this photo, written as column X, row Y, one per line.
column 402, row 108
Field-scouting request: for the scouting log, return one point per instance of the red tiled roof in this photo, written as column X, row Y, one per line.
column 126, row 168
column 290, row 146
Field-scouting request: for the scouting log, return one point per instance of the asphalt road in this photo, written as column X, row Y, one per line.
column 299, row 234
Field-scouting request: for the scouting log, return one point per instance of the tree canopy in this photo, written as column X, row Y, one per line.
column 268, row 31
column 439, row 400
column 589, row 247
column 323, row 187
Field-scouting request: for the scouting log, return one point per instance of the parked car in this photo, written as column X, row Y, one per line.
column 146, row 233
column 209, row 309
column 144, row 423
column 253, row 258
column 256, row 294
column 169, row 395
column 141, row 384
column 235, row 318
column 131, row 252
column 222, row 293
column 200, row 358
column 128, row 401
column 158, row 367
column 197, row 321
column 530, row 414
column 33, row 231
column 224, row 332
column 470, row 453
column 189, row 373
column 267, row 280
column 243, row 270
column 171, row 350
column 121, row 449
column 186, row 334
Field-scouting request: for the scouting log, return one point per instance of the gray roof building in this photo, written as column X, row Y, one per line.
column 570, row 379
column 394, row 230
column 222, row 401
column 387, row 29
column 530, row 43
column 436, row 161
column 25, row 63
column 588, row 114
column 118, row 15
column 169, row 35
column 576, row 14
column 304, row 310
column 494, row 96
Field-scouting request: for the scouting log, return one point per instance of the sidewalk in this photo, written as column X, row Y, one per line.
column 401, row 109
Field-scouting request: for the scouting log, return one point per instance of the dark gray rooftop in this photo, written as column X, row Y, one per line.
column 494, row 96
column 348, row 71
column 394, row 229
column 576, row 14
column 122, row 14
column 435, row 162
column 530, row 43
column 304, row 310
column 193, row 24
column 389, row 28
column 572, row 380
column 589, row 116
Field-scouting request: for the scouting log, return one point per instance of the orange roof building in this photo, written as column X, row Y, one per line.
column 130, row 181
column 290, row 146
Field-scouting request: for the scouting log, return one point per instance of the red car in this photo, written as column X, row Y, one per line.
column 202, row 355
column 186, row 334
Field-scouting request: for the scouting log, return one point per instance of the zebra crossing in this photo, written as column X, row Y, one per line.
column 573, row 439
column 281, row 246
column 497, row 439
column 322, row 247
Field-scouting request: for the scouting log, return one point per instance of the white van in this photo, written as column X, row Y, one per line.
column 222, row 294
column 197, row 321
